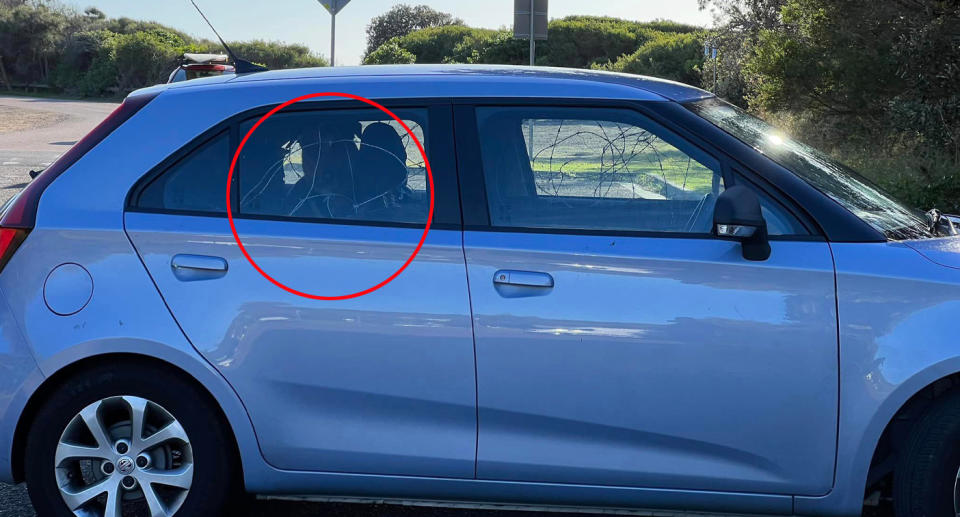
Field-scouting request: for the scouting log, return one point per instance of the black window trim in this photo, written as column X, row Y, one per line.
column 476, row 215
column 447, row 210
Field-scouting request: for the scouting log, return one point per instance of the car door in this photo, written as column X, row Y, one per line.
column 328, row 202
column 620, row 343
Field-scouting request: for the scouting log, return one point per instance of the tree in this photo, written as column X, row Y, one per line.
column 739, row 23
column 29, row 36
column 94, row 13
column 403, row 19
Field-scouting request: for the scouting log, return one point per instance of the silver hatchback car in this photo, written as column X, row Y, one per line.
column 481, row 286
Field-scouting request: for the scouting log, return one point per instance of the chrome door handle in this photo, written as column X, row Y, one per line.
column 523, row 278
column 199, row 262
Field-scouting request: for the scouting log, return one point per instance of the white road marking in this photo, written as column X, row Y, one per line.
column 10, row 163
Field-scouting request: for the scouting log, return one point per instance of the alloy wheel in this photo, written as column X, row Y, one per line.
column 124, row 456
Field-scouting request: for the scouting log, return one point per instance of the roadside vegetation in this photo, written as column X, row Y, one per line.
column 873, row 83
column 876, row 84
column 47, row 47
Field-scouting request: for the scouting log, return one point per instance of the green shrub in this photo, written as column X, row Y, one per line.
column 275, row 55
column 437, row 44
column 92, row 55
column 914, row 170
column 676, row 56
column 390, row 53
column 88, row 66
column 581, row 41
column 145, row 58
column 575, row 41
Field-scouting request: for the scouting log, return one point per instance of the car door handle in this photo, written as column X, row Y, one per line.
column 201, row 262
column 522, row 278
column 198, row 267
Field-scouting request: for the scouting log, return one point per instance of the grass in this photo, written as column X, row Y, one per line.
column 614, row 154
column 920, row 175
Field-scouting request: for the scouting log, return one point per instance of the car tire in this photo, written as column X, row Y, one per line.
column 216, row 476
column 925, row 477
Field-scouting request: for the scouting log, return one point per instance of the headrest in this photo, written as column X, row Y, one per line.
column 380, row 137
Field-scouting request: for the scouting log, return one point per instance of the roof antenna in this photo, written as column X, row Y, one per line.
column 240, row 66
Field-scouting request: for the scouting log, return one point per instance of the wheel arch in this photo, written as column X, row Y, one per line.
column 229, row 408
column 902, row 422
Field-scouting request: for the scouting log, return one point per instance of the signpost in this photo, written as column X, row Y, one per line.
column 710, row 52
column 530, row 22
column 333, row 7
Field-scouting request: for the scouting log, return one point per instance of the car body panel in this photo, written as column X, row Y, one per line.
column 639, row 367
column 945, row 252
column 381, row 384
column 125, row 315
column 898, row 335
column 19, row 376
column 503, row 75
column 539, row 495
column 897, row 301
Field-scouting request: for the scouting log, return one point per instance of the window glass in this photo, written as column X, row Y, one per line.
column 198, row 182
column 336, row 164
column 594, row 169
column 855, row 193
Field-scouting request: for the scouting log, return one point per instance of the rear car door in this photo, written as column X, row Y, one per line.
column 618, row 341
column 329, row 202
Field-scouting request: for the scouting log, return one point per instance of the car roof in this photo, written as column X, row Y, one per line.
column 499, row 80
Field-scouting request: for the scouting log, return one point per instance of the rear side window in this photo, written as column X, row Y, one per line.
column 195, row 183
column 332, row 165
column 352, row 165
column 593, row 169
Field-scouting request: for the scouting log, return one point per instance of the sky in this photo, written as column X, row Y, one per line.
column 306, row 21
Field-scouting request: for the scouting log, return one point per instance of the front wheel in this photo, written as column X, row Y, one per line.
column 926, row 480
column 127, row 440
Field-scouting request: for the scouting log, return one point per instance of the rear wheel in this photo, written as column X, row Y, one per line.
column 128, row 440
column 926, row 481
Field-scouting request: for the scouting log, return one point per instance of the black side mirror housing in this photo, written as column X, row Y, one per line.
column 737, row 216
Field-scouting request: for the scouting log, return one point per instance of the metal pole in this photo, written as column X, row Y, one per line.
column 716, row 62
column 333, row 39
column 533, row 42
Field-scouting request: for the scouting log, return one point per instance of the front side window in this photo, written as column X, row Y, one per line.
column 593, row 169
column 337, row 164
column 858, row 195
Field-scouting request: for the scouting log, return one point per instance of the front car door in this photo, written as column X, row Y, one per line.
column 329, row 202
column 619, row 342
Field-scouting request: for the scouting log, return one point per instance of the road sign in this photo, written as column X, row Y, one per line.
column 334, row 6
column 521, row 19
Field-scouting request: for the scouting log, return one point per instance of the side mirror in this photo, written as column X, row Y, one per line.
column 737, row 216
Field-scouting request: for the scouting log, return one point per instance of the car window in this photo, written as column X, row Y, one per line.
column 864, row 199
column 593, row 169
column 197, row 182
column 337, row 164
column 779, row 220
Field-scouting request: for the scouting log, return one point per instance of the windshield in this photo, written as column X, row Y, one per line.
column 855, row 193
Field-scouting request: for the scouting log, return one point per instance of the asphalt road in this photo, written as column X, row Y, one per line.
column 33, row 133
